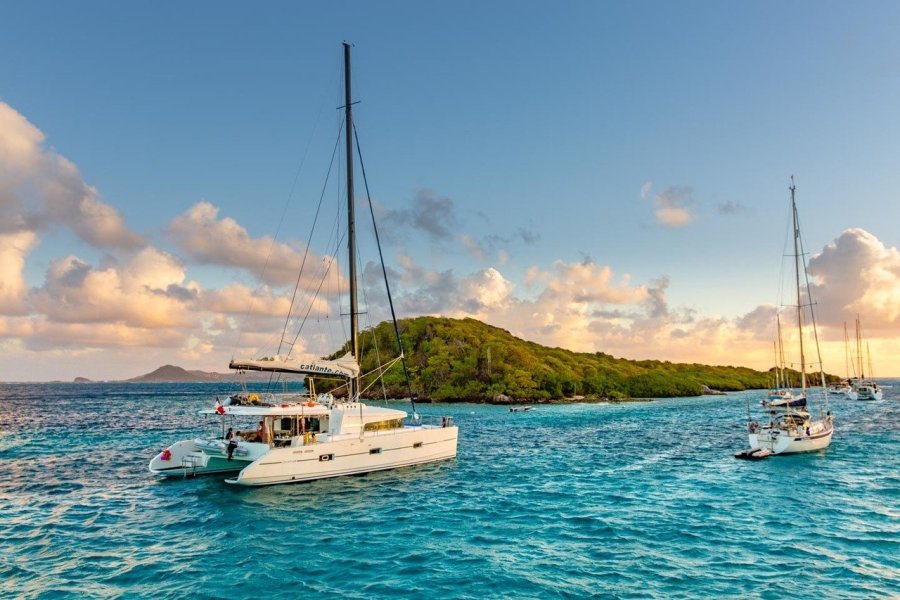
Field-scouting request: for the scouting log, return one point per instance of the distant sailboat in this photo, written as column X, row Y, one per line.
column 782, row 389
column 789, row 427
column 865, row 389
column 845, row 387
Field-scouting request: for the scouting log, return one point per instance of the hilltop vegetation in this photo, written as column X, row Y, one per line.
column 467, row 360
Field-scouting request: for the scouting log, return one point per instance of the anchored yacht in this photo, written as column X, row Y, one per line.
column 300, row 437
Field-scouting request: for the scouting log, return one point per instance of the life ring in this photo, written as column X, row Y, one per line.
column 166, row 454
column 310, row 404
column 253, row 398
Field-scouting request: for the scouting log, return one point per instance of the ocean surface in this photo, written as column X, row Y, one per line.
column 571, row 501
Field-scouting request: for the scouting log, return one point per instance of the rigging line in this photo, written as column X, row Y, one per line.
column 316, row 295
column 374, row 333
column 387, row 284
column 309, row 240
column 812, row 313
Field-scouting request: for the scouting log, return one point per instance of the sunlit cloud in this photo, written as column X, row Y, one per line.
column 207, row 239
column 14, row 247
column 674, row 207
column 858, row 274
column 40, row 188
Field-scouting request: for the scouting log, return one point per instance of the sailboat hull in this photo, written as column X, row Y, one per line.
column 779, row 441
column 351, row 455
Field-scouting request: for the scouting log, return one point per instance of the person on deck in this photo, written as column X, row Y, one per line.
column 262, row 433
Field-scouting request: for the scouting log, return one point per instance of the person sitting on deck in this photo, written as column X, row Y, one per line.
column 262, row 433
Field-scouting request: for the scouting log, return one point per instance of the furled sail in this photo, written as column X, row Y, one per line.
column 345, row 366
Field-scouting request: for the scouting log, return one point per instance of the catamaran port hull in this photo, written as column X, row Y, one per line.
column 199, row 457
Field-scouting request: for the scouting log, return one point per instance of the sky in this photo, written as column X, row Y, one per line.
column 598, row 176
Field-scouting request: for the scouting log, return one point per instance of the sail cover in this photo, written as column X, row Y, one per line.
column 345, row 366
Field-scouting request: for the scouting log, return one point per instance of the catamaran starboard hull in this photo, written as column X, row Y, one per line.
column 388, row 450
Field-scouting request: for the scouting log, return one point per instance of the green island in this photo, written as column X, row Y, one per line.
column 466, row 360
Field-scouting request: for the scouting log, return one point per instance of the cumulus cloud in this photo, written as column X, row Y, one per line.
column 207, row 239
column 858, row 274
column 147, row 292
column 674, row 206
column 39, row 188
column 13, row 249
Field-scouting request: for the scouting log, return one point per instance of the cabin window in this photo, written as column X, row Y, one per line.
column 326, row 457
column 417, row 445
column 375, row 451
column 380, row 425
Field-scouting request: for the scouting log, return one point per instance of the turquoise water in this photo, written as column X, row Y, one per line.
column 631, row 500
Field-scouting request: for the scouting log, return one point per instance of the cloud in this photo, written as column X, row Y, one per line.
column 645, row 189
column 674, row 206
column 206, row 239
column 40, row 188
column 731, row 207
column 858, row 274
column 13, row 249
column 147, row 293
column 434, row 216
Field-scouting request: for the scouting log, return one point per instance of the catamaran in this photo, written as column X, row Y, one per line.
column 788, row 426
column 303, row 436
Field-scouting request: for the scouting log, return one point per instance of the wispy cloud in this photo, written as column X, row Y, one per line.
column 731, row 207
column 434, row 216
column 208, row 239
column 675, row 206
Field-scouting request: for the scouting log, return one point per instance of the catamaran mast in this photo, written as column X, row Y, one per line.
column 797, row 279
column 351, row 220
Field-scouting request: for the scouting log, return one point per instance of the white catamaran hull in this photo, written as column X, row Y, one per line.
column 780, row 441
column 351, row 455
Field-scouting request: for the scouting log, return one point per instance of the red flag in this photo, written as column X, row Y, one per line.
column 219, row 408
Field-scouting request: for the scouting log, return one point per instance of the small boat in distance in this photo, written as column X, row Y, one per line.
column 865, row 389
column 845, row 387
column 304, row 436
column 520, row 408
column 788, row 426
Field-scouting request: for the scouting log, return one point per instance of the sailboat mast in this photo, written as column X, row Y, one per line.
column 846, row 351
column 859, row 358
column 351, row 219
column 797, row 280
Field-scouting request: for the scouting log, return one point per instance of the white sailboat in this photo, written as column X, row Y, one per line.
column 865, row 389
column 845, row 387
column 306, row 436
column 782, row 390
column 789, row 426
